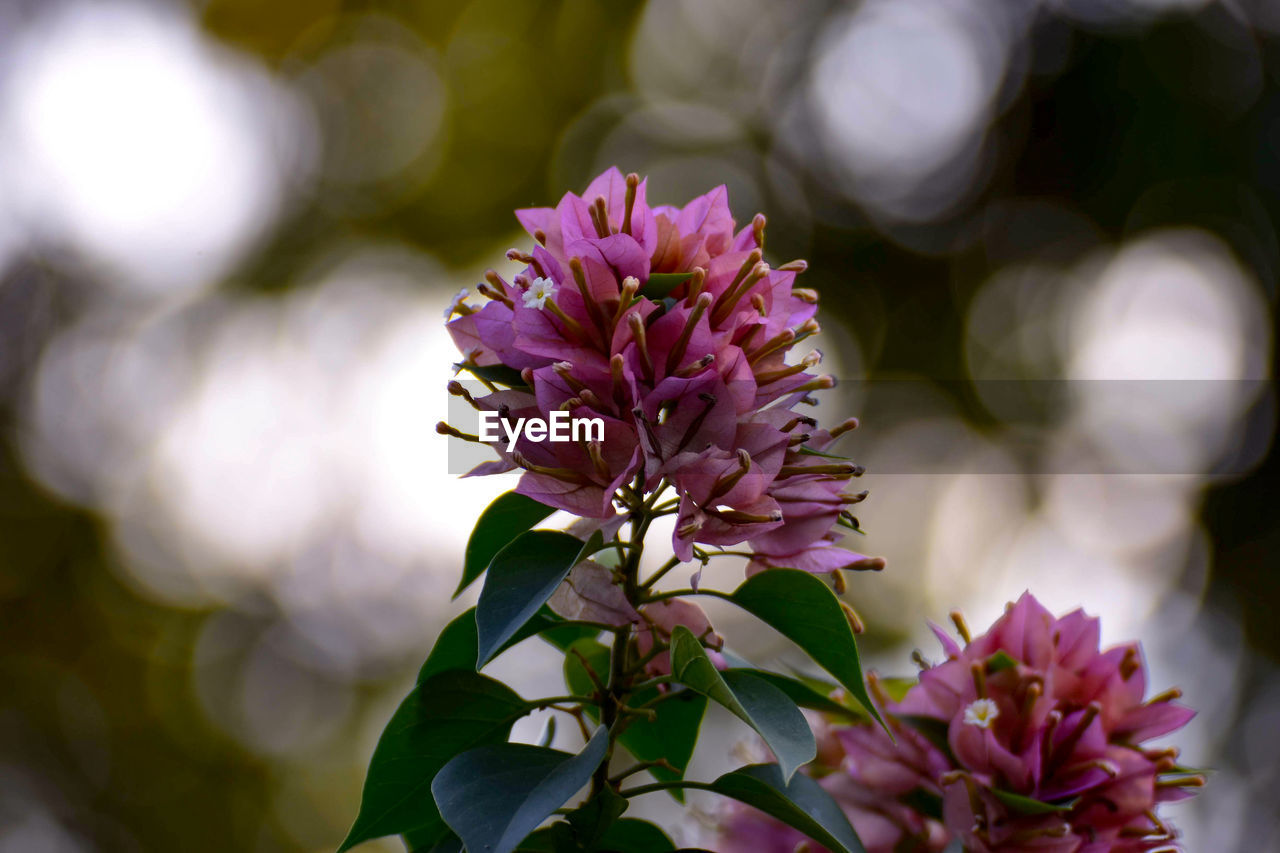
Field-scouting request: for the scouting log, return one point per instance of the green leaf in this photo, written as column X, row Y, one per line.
column 498, row 374
column 672, row 734
column 754, row 701
column 521, row 578
column 662, row 283
column 503, row 520
column 635, row 836
column 803, row 694
column 1030, row 805
column 955, row 846
column 896, row 688
column 800, row 803
column 494, row 796
column 596, row 655
column 556, row 838
column 999, row 662
column 449, row 844
column 591, row 819
column 933, row 730
column 805, row 610
column 457, row 646
column 447, row 713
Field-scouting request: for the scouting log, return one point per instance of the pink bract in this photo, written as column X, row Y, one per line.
column 695, row 382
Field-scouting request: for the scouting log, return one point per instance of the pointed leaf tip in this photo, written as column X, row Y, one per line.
column 805, row 610
column 521, row 578
column 494, row 796
column 753, row 700
column 503, row 520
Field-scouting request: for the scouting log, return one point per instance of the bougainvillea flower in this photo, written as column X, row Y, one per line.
column 697, row 382
column 1027, row 738
column 883, row 824
column 589, row 594
column 660, row 618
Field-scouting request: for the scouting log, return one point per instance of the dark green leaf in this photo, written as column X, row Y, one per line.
column 801, row 803
column 999, row 662
column 1029, row 805
column 449, row 844
column 455, row 648
column 498, row 374
column 805, row 610
column 803, row 694
column 504, row 519
column 756, row 702
column 596, row 656
column 520, row 580
column 565, row 634
column 672, row 734
column 934, row 731
column 591, row 819
column 457, row 645
column 662, row 283
column 444, row 715
column 494, row 796
column 556, row 838
column 631, row 835
column 955, row 846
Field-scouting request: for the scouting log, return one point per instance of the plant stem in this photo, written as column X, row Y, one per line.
column 679, row 593
column 640, row 790
column 620, row 678
column 564, row 700
column 641, row 767
column 656, row 576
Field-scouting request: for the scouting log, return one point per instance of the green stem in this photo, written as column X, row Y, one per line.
column 638, row 666
column 641, row 790
column 680, row 593
column 656, row 576
column 640, row 768
column 652, row 682
column 564, row 700
column 620, row 678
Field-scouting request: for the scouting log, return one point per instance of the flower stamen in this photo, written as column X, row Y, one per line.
column 981, row 713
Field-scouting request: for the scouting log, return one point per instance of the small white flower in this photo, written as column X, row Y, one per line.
column 457, row 300
column 981, row 713
column 538, row 292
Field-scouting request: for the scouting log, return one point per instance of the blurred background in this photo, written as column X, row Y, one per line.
column 1045, row 229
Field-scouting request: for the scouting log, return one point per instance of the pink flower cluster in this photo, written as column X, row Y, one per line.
column 667, row 324
column 1027, row 738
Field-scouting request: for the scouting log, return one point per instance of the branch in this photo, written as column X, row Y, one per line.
column 564, row 700
column 678, row 593
column 641, row 767
column 641, row 790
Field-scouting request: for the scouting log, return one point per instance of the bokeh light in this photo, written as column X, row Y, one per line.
column 138, row 141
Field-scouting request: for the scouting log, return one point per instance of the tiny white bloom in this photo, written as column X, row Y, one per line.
column 538, row 292
column 457, row 300
column 981, row 713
